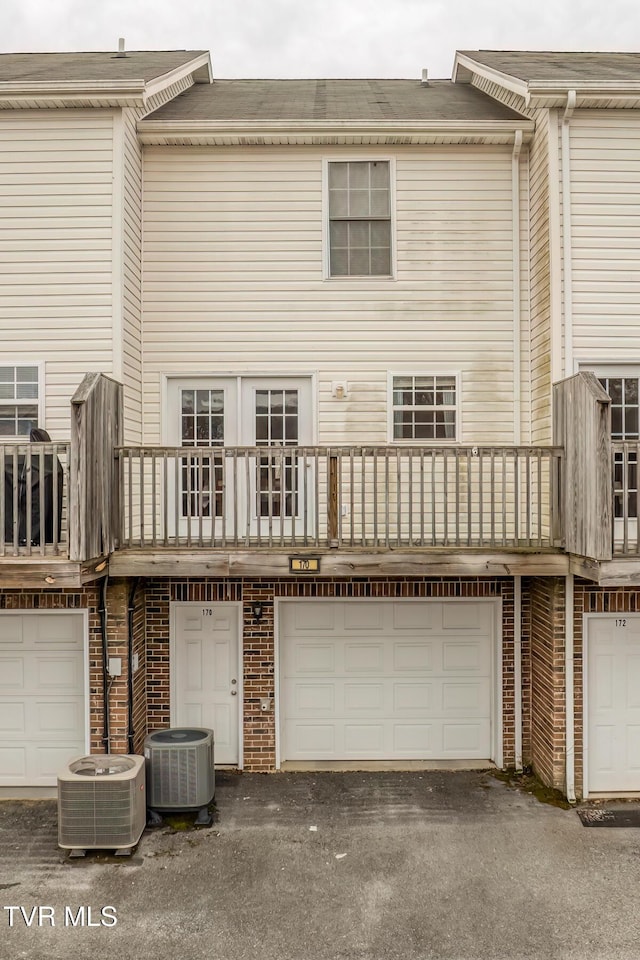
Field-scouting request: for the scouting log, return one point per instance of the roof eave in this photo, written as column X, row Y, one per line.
column 200, row 67
column 463, row 64
column 72, row 92
column 155, row 131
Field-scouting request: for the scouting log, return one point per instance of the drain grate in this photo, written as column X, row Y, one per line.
column 608, row 817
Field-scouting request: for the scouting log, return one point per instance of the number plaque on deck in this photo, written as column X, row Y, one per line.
column 304, row 564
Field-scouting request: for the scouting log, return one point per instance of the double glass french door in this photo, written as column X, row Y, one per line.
column 240, row 480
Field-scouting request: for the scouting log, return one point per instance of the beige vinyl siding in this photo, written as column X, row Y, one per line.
column 132, row 259
column 540, row 283
column 233, row 281
column 56, row 171
column 605, row 218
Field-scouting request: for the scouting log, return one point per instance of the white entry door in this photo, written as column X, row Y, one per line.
column 206, row 687
column 613, row 703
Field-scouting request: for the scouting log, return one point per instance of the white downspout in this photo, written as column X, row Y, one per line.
column 517, row 669
column 569, row 691
column 555, row 251
column 515, row 204
column 566, row 233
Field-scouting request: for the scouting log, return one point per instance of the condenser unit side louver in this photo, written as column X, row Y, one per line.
column 180, row 771
column 102, row 803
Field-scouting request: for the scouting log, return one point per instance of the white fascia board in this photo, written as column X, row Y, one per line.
column 152, row 131
column 70, row 93
column 158, row 84
column 489, row 73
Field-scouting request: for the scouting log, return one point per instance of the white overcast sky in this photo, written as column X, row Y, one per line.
column 321, row 38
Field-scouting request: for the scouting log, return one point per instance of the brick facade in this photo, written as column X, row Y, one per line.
column 542, row 652
column 545, row 639
column 259, row 649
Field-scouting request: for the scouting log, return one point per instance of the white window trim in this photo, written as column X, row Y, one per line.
column 326, row 248
column 5, row 362
column 413, row 372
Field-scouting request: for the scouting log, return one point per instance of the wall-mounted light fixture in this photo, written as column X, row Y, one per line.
column 256, row 606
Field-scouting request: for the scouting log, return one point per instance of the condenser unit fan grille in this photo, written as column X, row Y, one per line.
column 97, row 814
column 174, row 774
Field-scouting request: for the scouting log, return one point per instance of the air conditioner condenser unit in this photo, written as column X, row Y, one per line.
column 180, row 772
column 102, row 803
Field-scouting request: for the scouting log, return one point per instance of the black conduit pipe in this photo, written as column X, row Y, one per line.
column 102, row 611
column 130, row 611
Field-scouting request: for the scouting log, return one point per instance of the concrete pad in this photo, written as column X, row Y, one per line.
column 431, row 865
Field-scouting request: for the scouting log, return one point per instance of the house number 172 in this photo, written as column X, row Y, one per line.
column 622, row 622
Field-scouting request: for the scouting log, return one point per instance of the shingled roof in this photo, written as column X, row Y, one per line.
column 143, row 65
column 563, row 67
column 372, row 100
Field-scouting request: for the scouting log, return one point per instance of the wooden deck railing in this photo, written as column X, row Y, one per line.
column 33, row 506
column 357, row 497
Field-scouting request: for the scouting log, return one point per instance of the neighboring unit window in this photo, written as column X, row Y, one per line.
column 19, row 396
column 625, row 403
column 359, row 219
column 424, row 408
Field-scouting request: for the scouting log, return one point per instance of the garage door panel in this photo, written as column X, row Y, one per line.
column 314, row 698
column 363, row 616
column 413, row 696
column 55, row 719
column 463, row 657
column 410, row 615
column 13, row 764
column 42, row 697
column 465, row 739
column 56, row 673
column 363, row 739
column 11, row 673
column 633, row 682
column 363, row 696
column 61, row 630
column 633, row 748
column 314, row 658
column 413, row 739
column 468, row 616
column 363, row 658
column 431, row 697
column 12, row 719
column 408, row 657
column 465, row 699
column 47, row 762
column 313, row 616
column 11, row 633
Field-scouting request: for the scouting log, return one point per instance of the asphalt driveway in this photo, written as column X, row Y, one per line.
column 327, row 866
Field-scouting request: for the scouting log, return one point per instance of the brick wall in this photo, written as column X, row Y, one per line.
column 545, row 638
column 259, row 656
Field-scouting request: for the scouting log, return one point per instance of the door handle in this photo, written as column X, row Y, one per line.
column 234, row 693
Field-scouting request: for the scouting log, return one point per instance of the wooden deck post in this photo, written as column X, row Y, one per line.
column 332, row 502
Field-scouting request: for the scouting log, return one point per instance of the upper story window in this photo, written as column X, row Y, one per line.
column 624, row 406
column 19, row 400
column 425, row 407
column 359, row 218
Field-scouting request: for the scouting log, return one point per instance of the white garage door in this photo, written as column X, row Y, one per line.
column 613, row 704
column 42, row 698
column 385, row 680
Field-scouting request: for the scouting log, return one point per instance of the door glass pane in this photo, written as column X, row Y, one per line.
column 202, row 475
column 277, row 426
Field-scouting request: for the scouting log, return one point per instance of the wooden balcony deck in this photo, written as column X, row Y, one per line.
column 355, row 498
